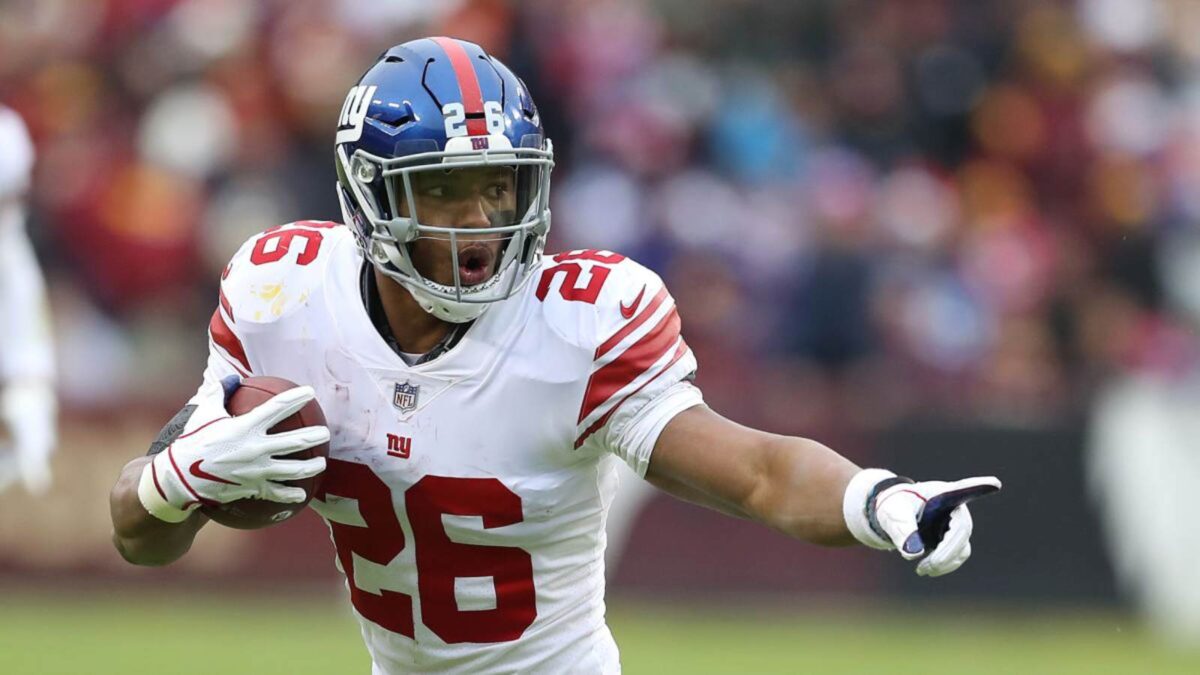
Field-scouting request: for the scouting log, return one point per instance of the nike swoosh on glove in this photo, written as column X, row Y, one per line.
column 227, row 458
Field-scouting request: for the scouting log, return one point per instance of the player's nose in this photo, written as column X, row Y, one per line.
column 473, row 213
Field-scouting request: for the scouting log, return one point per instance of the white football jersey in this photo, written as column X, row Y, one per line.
column 467, row 495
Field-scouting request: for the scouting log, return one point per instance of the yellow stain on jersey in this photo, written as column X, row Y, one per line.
column 270, row 291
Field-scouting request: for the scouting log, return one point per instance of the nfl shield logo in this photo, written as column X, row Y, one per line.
column 406, row 396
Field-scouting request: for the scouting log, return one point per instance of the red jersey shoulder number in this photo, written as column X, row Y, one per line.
column 273, row 244
column 571, row 271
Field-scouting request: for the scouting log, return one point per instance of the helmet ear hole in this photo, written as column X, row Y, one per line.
column 364, row 171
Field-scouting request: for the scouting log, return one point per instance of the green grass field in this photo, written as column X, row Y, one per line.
column 182, row 635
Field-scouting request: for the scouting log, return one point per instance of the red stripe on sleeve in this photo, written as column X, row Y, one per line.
column 679, row 353
column 632, row 325
column 634, row 361
column 468, row 84
column 223, row 336
column 226, row 306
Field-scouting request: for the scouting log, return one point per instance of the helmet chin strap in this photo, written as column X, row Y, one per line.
column 446, row 310
column 451, row 311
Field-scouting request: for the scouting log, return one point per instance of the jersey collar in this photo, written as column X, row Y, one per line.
column 374, row 306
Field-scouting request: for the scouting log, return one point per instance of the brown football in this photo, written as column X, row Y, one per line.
column 251, row 514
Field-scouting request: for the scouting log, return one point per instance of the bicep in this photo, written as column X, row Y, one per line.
column 794, row 485
column 703, row 458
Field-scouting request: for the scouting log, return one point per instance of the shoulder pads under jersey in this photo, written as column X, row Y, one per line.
column 622, row 314
column 589, row 296
column 275, row 271
column 271, row 277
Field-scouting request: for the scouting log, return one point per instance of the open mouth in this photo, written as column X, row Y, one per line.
column 475, row 263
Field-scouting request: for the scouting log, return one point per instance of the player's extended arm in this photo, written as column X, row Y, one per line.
column 808, row 491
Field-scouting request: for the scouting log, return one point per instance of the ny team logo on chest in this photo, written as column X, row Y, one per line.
column 406, row 396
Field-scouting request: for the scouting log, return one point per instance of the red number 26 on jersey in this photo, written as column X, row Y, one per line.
column 439, row 560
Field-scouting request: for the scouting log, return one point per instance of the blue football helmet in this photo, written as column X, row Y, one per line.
column 426, row 109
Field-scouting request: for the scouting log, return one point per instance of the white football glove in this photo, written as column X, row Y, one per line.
column 928, row 519
column 227, row 458
column 27, row 410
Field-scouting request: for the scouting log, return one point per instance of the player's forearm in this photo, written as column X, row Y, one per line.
column 141, row 538
column 800, row 490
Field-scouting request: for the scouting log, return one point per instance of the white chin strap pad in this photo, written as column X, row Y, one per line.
column 447, row 310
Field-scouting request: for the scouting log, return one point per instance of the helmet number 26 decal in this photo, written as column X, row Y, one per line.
column 456, row 118
column 354, row 113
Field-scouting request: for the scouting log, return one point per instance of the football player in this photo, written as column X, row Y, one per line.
column 27, row 400
column 479, row 394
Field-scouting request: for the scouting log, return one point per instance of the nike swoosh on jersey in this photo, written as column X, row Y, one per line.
column 201, row 473
column 627, row 311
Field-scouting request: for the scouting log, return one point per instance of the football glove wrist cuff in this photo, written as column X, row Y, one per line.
column 155, row 502
column 858, row 506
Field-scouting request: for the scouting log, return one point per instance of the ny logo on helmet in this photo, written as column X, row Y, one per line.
column 354, row 113
column 406, row 396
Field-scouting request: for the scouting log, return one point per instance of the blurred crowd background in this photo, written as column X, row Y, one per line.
column 869, row 211
column 866, row 208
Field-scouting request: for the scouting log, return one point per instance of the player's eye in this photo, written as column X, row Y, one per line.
column 497, row 190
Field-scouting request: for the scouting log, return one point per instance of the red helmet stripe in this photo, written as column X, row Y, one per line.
column 468, row 84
